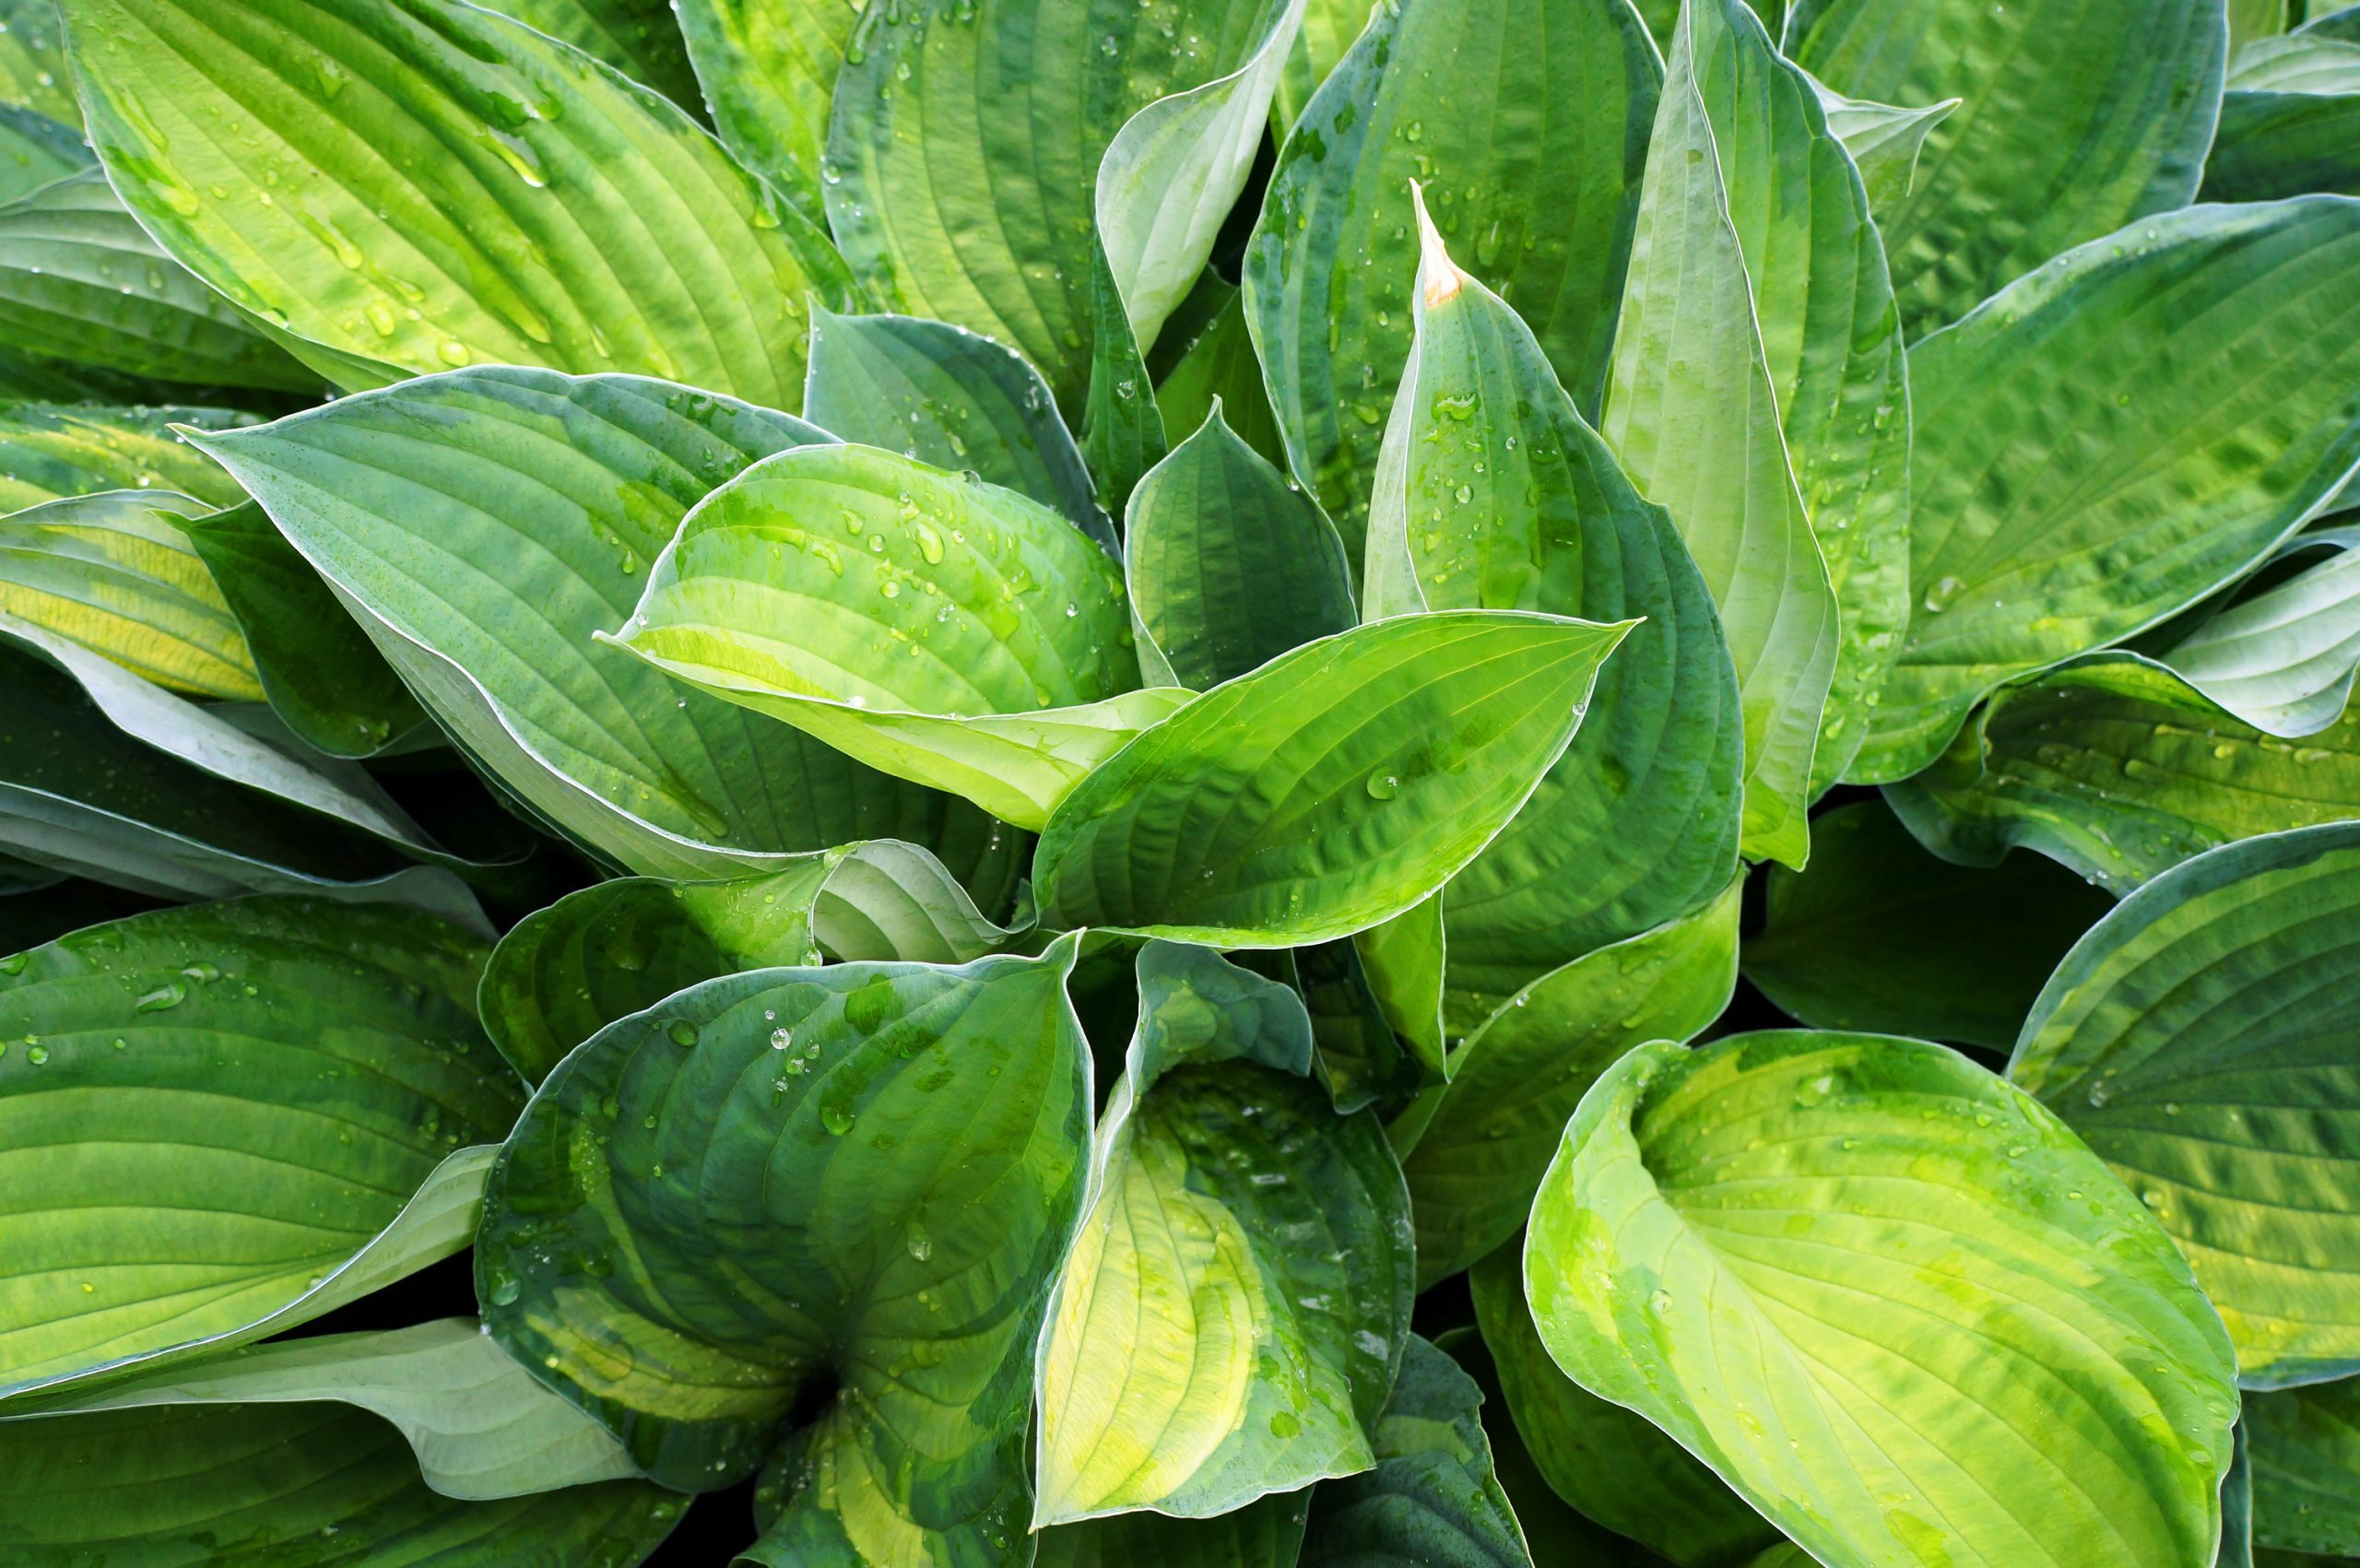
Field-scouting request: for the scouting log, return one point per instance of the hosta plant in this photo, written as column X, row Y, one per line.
column 1514, row 783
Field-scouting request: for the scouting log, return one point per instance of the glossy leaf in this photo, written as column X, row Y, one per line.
column 2113, row 436
column 861, row 1175
column 2288, row 121
column 1959, row 1339
column 769, row 70
column 1884, row 141
column 482, row 526
column 2076, row 120
column 1689, row 368
column 1531, row 117
column 2306, row 1453
column 32, row 61
column 576, row 219
column 1237, row 1297
column 1218, row 364
column 1521, row 1073
column 936, row 627
column 51, row 451
column 1123, row 434
column 1880, row 935
column 225, row 1119
column 639, row 37
column 2197, row 1040
column 36, row 149
column 2282, row 659
column 1377, row 763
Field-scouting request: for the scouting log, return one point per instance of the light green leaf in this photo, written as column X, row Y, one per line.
column 885, row 1220
column 1122, row 429
column 2121, row 769
column 2306, row 1453
column 1957, row 1339
column 1493, row 493
column 2076, row 120
column 562, row 974
column 1522, row 1072
column 2197, row 1039
column 1264, row 1534
column 1185, row 1368
column 944, row 395
column 1884, row 140
column 639, row 38
column 1530, row 118
column 769, row 70
column 82, row 285
column 480, row 1426
column 1217, row 365
column 1432, row 1497
column 32, row 61
column 2305, row 63
column 116, row 573
column 262, row 1486
column 935, row 626
column 482, row 526
column 2282, row 659
column 222, row 1120
column 1376, row 764
column 1611, row 1464
column 2255, row 18
column 36, row 151
column 1405, row 962
column 1228, row 563
column 1691, row 368
column 449, row 187
column 2109, row 439
column 51, row 451
column 1880, row 935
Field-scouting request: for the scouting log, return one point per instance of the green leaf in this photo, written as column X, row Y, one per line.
column 1185, row 1368
column 1894, row 1350
column 2196, row 1040
column 1356, row 1053
column 943, row 629
column 2109, row 439
column 2121, row 769
column 883, row 1223
column 2306, row 1452
column 1404, row 961
column 1531, row 117
column 639, row 37
column 769, row 70
column 2282, row 659
column 36, row 149
column 223, row 1120
column 1493, row 493
column 944, row 395
column 32, row 61
column 482, row 526
column 116, row 573
column 2236, row 1498
column 2283, row 144
column 448, row 187
column 1691, row 367
column 480, row 1426
column 1122, row 432
column 1614, row 1465
column 1217, row 365
column 1374, row 764
column 2077, row 119
column 82, row 285
column 1432, row 1497
column 319, row 670
column 2308, row 62
column 562, row 974
column 51, row 451
column 1264, row 1534
column 245, row 1486
column 1880, row 935
column 1522, row 1071
column 2255, row 18
column 1884, row 140
column 1228, row 563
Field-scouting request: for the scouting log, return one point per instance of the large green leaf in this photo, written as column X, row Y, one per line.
column 562, row 974
column 696, row 1243
column 1529, row 120
column 1880, row 935
column 1228, row 563
column 2281, row 657
column 1219, row 363
column 639, row 37
column 1692, row 408
column 32, row 61
column 2119, row 768
column 1336, row 786
column 2077, row 119
column 2281, row 135
column 2199, row 1040
column 484, row 524
column 449, row 187
column 303, row 1486
column 48, row 450
column 932, row 625
column 1432, row 1496
column 1889, row 1300
column 1493, row 493
column 1185, row 1368
column 35, row 150
column 1493, row 1129
column 222, row 1120
column 2108, row 440
column 1884, row 140
column 115, row 572
column 1611, row 1464
column 768, row 67
column 2304, row 1444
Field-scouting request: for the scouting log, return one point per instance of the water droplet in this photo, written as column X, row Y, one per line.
column 170, row 994
column 1383, row 784
column 683, row 1033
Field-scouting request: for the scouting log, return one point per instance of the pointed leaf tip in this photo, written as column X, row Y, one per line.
column 1439, row 279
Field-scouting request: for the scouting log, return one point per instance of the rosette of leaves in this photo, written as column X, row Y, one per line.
column 907, row 760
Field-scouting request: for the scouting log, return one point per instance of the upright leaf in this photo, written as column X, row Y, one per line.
column 768, row 67
column 2288, row 122
column 1219, row 363
column 1884, row 140
column 2306, row 1453
column 639, row 37
column 1891, row 1301
column 2198, row 1039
